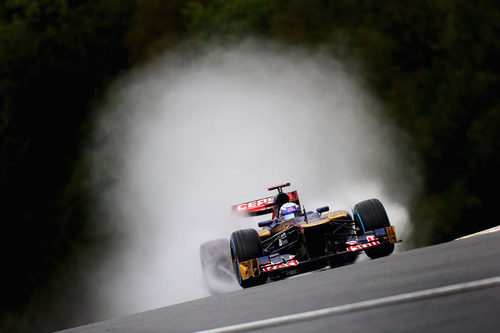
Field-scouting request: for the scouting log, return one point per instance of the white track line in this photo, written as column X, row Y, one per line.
column 428, row 293
column 487, row 231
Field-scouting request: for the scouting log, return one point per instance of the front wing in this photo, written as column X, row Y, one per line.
column 280, row 263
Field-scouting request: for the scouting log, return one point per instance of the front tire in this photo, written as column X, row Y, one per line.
column 246, row 245
column 370, row 215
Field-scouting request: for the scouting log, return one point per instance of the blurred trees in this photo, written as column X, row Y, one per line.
column 55, row 59
column 434, row 64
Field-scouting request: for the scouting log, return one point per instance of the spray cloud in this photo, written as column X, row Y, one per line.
column 184, row 138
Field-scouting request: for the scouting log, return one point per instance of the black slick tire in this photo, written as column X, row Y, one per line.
column 245, row 245
column 370, row 215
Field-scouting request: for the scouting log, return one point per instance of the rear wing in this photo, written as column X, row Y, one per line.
column 262, row 206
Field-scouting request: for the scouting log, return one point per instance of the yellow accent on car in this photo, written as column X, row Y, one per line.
column 336, row 215
column 264, row 233
column 391, row 233
column 249, row 268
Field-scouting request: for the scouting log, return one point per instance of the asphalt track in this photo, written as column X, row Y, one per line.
column 423, row 271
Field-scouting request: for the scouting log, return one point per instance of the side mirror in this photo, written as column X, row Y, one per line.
column 322, row 209
column 265, row 223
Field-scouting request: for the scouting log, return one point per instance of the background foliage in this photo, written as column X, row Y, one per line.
column 434, row 65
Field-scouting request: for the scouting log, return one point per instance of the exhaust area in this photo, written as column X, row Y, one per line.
column 183, row 138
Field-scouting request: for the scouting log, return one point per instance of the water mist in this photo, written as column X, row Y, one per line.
column 186, row 136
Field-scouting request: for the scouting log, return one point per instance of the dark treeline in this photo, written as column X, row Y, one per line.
column 432, row 63
column 55, row 59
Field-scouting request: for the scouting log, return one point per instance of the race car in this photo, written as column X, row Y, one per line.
column 294, row 241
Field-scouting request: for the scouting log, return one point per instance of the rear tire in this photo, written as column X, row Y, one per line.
column 246, row 245
column 370, row 215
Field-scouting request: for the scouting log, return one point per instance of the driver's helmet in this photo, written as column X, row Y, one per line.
column 289, row 210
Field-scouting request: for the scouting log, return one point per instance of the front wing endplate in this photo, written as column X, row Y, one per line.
column 391, row 233
column 249, row 268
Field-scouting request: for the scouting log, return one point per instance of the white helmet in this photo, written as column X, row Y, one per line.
column 289, row 210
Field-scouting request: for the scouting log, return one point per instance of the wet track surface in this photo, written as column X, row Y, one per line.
column 441, row 265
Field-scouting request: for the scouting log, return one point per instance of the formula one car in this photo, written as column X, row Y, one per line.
column 295, row 241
